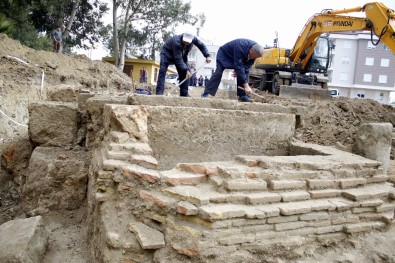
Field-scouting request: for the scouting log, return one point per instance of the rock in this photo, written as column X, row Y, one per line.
column 23, row 240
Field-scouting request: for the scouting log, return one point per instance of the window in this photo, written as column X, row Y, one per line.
column 385, row 62
column 345, row 60
column 369, row 61
column 361, row 95
column 343, row 76
column 346, row 44
column 370, row 45
column 382, row 78
column 367, row 77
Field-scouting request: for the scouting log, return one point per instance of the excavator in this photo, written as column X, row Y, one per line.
column 308, row 61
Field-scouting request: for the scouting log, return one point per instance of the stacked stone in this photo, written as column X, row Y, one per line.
column 215, row 209
column 119, row 168
column 256, row 202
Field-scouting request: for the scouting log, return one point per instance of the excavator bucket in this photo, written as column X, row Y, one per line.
column 305, row 92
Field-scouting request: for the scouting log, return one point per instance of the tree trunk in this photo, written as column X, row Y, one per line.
column 115, row 32
column 66, row 31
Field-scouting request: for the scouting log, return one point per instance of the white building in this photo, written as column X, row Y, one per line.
column 361, row 69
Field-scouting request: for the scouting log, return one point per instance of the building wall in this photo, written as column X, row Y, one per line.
column 133, row 66
column 375, row 53
column 349, row 69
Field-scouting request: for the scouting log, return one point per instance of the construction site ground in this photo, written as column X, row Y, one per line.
column 27, row 75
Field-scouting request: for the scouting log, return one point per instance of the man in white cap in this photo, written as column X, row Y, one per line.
column 175, row 52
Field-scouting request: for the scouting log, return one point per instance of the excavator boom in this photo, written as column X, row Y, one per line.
column 379, row 20
column 308, row 61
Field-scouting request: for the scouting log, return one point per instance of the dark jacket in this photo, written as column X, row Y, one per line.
column 234, row 55
column 175, row 53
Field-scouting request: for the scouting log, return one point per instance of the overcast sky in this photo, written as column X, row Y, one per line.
column 257, row 19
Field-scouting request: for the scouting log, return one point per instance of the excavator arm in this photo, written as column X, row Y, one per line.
column 379, row 19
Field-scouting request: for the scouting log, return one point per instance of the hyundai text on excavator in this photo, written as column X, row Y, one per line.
column 308, row 61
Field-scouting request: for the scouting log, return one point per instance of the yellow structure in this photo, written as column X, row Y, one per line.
column 133, row 67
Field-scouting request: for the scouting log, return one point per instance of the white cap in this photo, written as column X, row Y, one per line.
column 187, row 37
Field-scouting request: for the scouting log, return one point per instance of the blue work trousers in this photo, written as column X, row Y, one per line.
column 215, row 80
column 160, row 86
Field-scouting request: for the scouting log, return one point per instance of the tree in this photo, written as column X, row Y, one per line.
column 79, row 19
column 147, row 23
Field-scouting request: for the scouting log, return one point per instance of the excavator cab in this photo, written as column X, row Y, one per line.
column 320, row 59
column 316, row 70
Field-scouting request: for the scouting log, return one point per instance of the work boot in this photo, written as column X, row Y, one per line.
column 204, row 95
column 245, row 98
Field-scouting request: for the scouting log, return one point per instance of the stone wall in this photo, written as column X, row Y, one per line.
column 196, row 180
column 217, row 211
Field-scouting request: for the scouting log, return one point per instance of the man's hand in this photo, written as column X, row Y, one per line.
column 189, row 75
column 208, row 60
column 248, row 89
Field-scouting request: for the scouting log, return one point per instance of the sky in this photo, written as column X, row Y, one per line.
column 255, row 19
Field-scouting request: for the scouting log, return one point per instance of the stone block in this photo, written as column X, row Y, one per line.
column 127, row 118
column 146, row 161
column 385, row 207
column 56, row 180
column 187, row 208
column 148, row 237
column 158, row 199
column 178, row 177
column 351, row 182
column 23, row 240
column 53, row 123
column 64, row 93
column 134, row 171
column 369, row 191
column 305, row 92
column 282, row 219
column 188, row 193
column 287, row 184
column 262, row 198
column 289, row 226
column 131, row 147
column 363, row 227
column 118, row 155
column 171, row 137
column 377, row 179
column 245, row 184
column 222, row 211
column 294, row 196
column 321, row 183
column 326, row 193
column 314, row 216
column 373, row 141
column 237, row 239
column 119, row 137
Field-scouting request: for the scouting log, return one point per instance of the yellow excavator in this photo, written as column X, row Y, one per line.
column 308, row 61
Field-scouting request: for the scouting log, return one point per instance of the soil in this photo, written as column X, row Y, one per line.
column 25, row 76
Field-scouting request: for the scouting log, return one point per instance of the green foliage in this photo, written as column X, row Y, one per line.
column 5, row 25
column 28, row 36
column 34, row 19
column 87, row 28
column 151, row 23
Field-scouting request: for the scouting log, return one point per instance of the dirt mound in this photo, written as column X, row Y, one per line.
column 333, row 122
column 27, row 74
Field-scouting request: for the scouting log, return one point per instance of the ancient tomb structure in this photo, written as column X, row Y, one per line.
column 211, row 181
column 192, row 180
